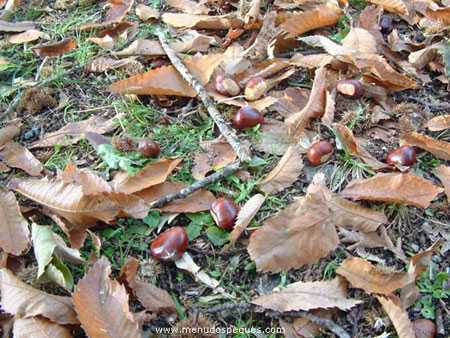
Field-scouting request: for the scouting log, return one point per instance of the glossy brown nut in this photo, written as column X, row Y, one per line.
column 170, row 244
column 319, row 152
column 224, row 212
column 350, row 88
column 247, row 117
column 404, row 155
column 148, row 148
column 226, row 86
column 255, row 88
column 386, row 24
column 424, row 328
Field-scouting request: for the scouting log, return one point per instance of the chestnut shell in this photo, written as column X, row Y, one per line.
column 247, row 117
column 224, row 211
column 170, row 244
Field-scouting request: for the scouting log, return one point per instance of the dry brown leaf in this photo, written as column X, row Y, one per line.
column 363, row 275
column 441, row 15
column 106, row 42
column 102, row 64
column 423, row 57
column 304, row 328
column 7, row 133
column 285, row 173
column 55, row 48
column 312, row 61
column 200, row 200
column 393, row 188
column 398, row 315
column 17, row 156
column 439, row 123
column 19, row 26
column 443, row 173
column 167, row 81
column 118, row 9
column 361, row 41
column 27, row 36
column 185, row 20
column 14, row 232
column 290, row 100
column 394, row 6
column 188, row 6
column 146, row 12
column 37, row 327
column 438, row 148
column 217, row 154
column 102, row 304
column 302, row 22
column 274, row 138
column 154, row 299
column 309, row 295
column 360, row 239
column 23, row 300
column 152, row 174
column 73, row 132
column 90, row 183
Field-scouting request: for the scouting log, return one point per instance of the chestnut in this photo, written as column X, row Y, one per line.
column 170, row 244
column 226, row 86
column 404, row 156
column 350, row 88
column 319, row 152
column 148, row 148
column 424, row 328
column 386, row 25
column 255, row 88
column 224, row 212
column 247, row 117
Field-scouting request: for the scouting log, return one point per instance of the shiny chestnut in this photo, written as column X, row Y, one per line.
column 424, row 328
column 319, row 152
column 386, row 24
column 255, row 88
column 170, row 244
column 350, row 88
column 226, row 86
column 404, row 156
column 247, row 117
column 224, row 212
column 148, row 148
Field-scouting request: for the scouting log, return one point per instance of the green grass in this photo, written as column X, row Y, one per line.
column 431, row 286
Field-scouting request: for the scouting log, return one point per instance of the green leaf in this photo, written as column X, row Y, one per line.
column 43, row 245
column 130, row 162
column 59, row 273
column 152, row 219
column 194, row 230
column 217, row 236
column 201, row 218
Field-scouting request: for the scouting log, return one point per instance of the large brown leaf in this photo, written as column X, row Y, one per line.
column 394, row 6
column 19, row 26
column 8, row 132
column 439, row 123
column 27, row 36
column 363, row 275
column 152, row 174
column 90, row 183
column 102, row 304
column 398, row 315
column 216, row 154
column 56, row 48
column 22, row 300
column 307, row 296
column 118, row 9
column 443, row 173
column 186, row 20
column 393, row 188
column 188, row 6
column 17, row 156
column 438, row 148
column 360, row 40
column 37, row 327
column 274, row 139
column 14, row 232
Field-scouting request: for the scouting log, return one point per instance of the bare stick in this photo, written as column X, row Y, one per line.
column 225, row 130
column 227, row 171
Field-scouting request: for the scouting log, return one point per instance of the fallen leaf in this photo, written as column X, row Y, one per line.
column 186, row 20
column 188, row 6
column 102, row 64
column 106, row 42
column 118, row 9
column 55, row 48
column 304, row 328
column 285, row 173
column 399, row 188
column 17, row 156
column 22, row 300
column 308, row 296
column 14, row 232
column 361, row 41
column 90, row 183
column 7, row 133
column 274, row 138
column 438, row 148
column 102, row 304
column 439, row 123
column 152, row 174
column 37, row 327
column 443, row 173
column 399, row 317
column 19, row 26
column 217, row 154
column 394, row 6
column 302, row 22
column 146, row 12
column 27, row 36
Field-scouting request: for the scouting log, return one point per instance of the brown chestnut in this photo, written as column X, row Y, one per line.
column 386, row 24
column 319, row 152
column 224, row 212
column 247, row 117
column 424, row 328
column 404, row 156
column 226, row 86
column 170, row 244
column 148, row 148
column 350, row 88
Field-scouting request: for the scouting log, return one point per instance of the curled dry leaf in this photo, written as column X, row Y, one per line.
column 38, row 327
column 443, row 173
column 393, row 187
column 309, row 295
column 22, row 300
column 302, row 22
column 146, row 12
column 14, row 232
column 27, row 36
column 438, row 148
column 398, row 315
column 102, row 304
column 118, row 9
column 17, row 156
column 285, row 173
column 186, row 20
column 152, row 174
column 19, row 26
column 56, row 48
column 439, row 123
column 393, row 6
column 106, row 42
column 90, row 183
column 217, row 154
column 363, row 275
column 7, row 133
column 188, row 6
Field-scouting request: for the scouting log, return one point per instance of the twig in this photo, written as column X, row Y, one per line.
column 242, row 153
column 224, row 172
column 39, row 71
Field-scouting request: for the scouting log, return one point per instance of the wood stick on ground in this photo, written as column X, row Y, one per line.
column 229, row 134
column 224, row 172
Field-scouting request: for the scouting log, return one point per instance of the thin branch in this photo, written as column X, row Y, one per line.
column 229, row 134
